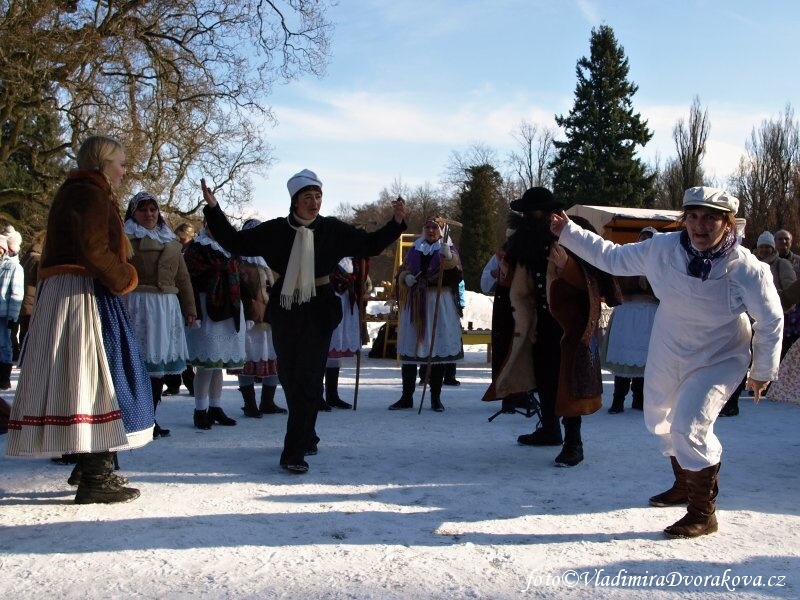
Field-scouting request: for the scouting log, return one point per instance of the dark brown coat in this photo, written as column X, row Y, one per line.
column 85, row 235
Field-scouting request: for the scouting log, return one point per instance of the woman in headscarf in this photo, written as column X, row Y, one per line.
column 429, row 261
column 217, row 339
column 302, row 248
column 163, row 301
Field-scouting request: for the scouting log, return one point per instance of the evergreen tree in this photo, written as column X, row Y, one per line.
column 597, row 163
column 477, row 203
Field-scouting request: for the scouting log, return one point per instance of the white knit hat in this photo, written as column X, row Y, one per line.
column 14, row 238
column 302, row 179
column 712, row 198
column 766, row 239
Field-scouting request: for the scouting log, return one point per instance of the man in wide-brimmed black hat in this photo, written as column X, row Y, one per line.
column 537, row 365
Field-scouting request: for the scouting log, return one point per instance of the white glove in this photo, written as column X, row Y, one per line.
column 410, row 280
column 446, row 252
column 198, row 323
column 249, row 325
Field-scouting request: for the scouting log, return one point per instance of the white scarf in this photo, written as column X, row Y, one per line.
column 298, row 281
column 159, row 233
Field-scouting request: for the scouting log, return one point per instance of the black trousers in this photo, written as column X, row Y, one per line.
column 301, row 346
column 547, row 365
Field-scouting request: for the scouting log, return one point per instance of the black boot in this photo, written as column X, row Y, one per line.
column 621, row 387
column 637, row 387
column 572, row 452
column 332, row 389
column 5, row 376
column 173, row 383
column 77, row 474
column 98, row 485
column 267, row 405
column 409, row 375
column 249, row 395
column 437, row 379
column 156, row 385
column 450, row 375
column 217, row 415
column 201, row 420
column 676, row 495
column 700, row 518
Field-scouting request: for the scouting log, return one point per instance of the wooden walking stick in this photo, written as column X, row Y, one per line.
column 361, row 309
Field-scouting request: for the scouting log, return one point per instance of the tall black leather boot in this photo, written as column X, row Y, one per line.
column 267, row 405
column 621, row 387
column 437, row 379
column 332, row 389
column 157, row 385
column 250, row 409
column 98, row 484
column 5, row 376
column 408, row 372
column 572, row 451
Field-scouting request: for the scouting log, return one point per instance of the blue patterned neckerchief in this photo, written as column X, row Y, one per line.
column 700, row 262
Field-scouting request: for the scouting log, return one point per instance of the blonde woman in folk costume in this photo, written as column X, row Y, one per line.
column 83, row 386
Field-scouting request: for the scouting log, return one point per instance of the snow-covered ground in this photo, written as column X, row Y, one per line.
column 406, row 505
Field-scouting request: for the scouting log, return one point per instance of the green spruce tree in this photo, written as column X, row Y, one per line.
column 597, row 163
column 477, row 202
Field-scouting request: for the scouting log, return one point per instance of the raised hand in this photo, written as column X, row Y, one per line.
column 208, row 195
column 399, row 207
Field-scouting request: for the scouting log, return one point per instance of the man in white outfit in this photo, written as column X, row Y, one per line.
column 700, row 344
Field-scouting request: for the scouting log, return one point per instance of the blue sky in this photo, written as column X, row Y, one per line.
column 410, row 82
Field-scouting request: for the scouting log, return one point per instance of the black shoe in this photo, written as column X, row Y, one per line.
column 324, row 406
column 436, row 405
column 296, row 467
column 312, row 450
column 729, row 411
column 541, row 437
column 339, row 403
column 402, row 404
column 171, row 391
column 217, row 415
column 452, row 381
column 201, row 419
column 616, row 408
column 159, row 432
column 570, row 455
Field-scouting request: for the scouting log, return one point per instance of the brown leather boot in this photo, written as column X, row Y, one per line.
column 700, row 518
column 675, row 495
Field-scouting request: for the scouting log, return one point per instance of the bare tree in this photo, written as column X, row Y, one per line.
column 530, row 163
column 182, row 83
column 767, row 174
column 690, row 143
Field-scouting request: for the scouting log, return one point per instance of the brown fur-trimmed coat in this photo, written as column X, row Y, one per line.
column 85, row 235
column 574, row 300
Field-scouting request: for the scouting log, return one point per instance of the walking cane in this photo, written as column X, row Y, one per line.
column 445, row 233
column 361, row 271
